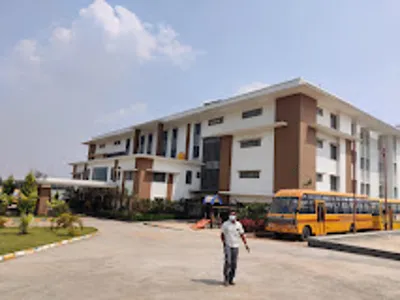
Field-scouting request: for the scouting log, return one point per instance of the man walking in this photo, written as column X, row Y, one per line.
column 232, row 231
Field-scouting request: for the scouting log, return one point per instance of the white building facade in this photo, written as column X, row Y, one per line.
column 289, row 135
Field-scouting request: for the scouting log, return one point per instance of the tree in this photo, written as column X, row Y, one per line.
column 9, row 185
column 29, row 186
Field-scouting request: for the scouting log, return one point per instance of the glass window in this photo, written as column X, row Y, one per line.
column 395, row 193
column 284, row 205
column 320, row 111
column 216, row 121
column 100, row 173
column 334, row 182
column 150, row 143
column 159, row 177
column 334, row 151
column 250, row 143
column 307, row 205
column 128, row 175
column 320, row 177
column 174, row 142
column 141, row 145
column 320, row 143
column 249, row 174
column 116, row 143
column 165, row 143
column 334, row 121
column 188, row 177
column 198, row 175
column 102, row 146
column 375, row 208
column 252, row 113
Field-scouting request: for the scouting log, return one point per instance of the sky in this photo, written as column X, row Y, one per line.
column 70, row 70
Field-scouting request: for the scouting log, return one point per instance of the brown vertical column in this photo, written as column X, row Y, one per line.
column 225, row 165
column 143, row 179
column 115, row 173
column 44, row 195
column 187, row 146
column 160, row 133
column 85, row 172
column 91, row 151
column 295, row 144
column 74, row 171
column 136, row 139
column 349, row 161
column 170, row 185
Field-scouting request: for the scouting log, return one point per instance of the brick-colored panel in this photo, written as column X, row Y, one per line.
column 142, row 181
column 44, row 195
column 187, row 146
column 170, row 185
column 295, row 144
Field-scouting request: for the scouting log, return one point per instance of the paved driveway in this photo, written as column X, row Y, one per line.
column 133, row 261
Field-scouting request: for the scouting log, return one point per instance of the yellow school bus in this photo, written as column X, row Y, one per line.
column 309, row 212
column 378, row 213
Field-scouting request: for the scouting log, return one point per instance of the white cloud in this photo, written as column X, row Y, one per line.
column 251, row 87
column 53, row 90
column 132, row 111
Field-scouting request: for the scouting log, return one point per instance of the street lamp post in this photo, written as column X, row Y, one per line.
column 353, row 155
column 385, row 186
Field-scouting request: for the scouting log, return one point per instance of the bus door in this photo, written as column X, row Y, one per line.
column 321, row 218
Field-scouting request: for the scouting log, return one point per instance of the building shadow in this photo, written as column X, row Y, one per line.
column 208, row 281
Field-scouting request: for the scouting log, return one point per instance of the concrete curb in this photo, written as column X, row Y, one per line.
column 333, row 243
column 22, row 253
column 162, row 226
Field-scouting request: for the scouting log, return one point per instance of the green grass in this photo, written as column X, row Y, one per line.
column 11, row 240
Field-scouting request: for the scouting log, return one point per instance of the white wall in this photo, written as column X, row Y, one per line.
column 344, row 121
column 233, row 121
column 111, row 148
column 374, row 165
column 254, row 158
column 159, row 189
column 180, row 188
column 80, row 168
column 324, row 164
column 341, row 166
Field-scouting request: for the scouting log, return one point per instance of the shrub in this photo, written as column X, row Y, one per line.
column 9, row 185
column 4, row 202
column 58, row 207
column 3, row 222
column 25, row 220
column 29, row 185
column 27, row 204
column 68, row 221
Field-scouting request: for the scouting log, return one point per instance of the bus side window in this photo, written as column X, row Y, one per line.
column 339, row 204
column 307, row 205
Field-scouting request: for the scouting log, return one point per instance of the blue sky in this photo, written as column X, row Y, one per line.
column 70, row 70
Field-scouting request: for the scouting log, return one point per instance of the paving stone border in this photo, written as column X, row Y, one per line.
column 335, row 243
column 22, row 253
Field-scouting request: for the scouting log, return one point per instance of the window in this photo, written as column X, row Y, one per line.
column 362, row 163
column 188, row 177
column 367, row 164
column 320, row 177
column 395, row 193
column 116, row 143
column 320, row 143
column 196, row 140
column 334, row 150
column 362, row 188
column 215, row 121
column 198, row 175
column 334, row 182
column 128, row 175
column 250, row 143
column 142, row 142
column 367, row 189
column 307, row 205
column 149, row 143
column 252, row 113
column 100, row 173
column 353, row 129
column 174, row 142
column 334, row 121
column 381, row 191
column 395, row 168
column 102, row 146
column 159, row 177
column 249, row 174
column 165, row 143
column 320, row 111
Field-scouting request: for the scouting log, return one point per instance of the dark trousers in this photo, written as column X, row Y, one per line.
column 231, row 256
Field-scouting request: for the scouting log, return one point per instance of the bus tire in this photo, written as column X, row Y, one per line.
column 306, row 233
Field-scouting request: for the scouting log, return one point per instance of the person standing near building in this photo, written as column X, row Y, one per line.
column 231, row 233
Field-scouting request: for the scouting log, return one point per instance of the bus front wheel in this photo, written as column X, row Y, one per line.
column 306, row 233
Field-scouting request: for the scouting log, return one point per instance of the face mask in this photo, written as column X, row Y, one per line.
column 232, row 218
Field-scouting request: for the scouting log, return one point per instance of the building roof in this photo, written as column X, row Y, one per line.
column 286, row 88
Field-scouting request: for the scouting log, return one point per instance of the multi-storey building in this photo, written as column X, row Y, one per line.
column 289, row 135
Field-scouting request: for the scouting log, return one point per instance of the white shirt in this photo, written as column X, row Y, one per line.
column 232, row 233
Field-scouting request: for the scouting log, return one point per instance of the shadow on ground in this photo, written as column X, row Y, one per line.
column 208, row 281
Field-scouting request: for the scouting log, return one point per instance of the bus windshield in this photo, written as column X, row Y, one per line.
column 284, row 205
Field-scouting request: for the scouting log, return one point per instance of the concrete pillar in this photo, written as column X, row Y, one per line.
column 44, row 195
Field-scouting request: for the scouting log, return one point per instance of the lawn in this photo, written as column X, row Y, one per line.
column 11, row 241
